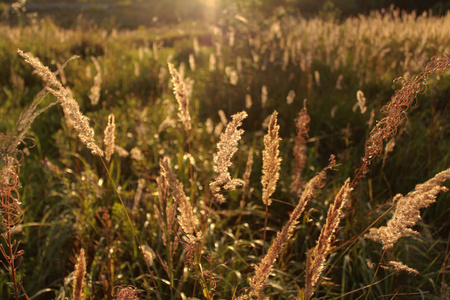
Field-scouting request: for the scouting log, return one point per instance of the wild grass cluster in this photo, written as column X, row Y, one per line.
column 285, row 158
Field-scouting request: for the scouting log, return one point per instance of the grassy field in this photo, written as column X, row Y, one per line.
column 240, row 159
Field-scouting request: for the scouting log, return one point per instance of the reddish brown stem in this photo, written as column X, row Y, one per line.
column 11, row 256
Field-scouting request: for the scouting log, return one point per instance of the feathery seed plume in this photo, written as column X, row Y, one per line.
column 399, row 266
column 248, row 101
column 136, row 154
column 407, row 211
column 192, row 62
column 69, row 105
column 246, row 176
column 179, row 90
column 80, row 272
column 186, row 219
column 109, row 137
column 149, row 254
column 138, row 195
column 271, row 160
column 166, row 221
column 361, row 103
column 301, row 123
column 227, row 146
column 290, row 97
column 223, row 117
column 121, row 151
column 96, row 88
column 264, row 96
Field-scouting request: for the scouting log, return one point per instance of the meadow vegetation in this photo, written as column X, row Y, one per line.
column 240, row 159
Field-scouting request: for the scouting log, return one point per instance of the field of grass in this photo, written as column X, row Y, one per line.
column 244, row 159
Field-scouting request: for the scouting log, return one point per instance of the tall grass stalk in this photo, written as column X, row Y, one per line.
column 315, row 261
column 263, row 269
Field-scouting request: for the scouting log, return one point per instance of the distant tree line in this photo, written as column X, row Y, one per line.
column 308, row 6
column 364, row 6
column 343, row 7
column 134, row 13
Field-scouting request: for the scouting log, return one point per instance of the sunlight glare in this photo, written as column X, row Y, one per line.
column 210, row 9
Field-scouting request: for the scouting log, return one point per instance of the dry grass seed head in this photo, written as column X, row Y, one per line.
column 126, row 293
column 227, row 146
column 138, row 194
column 407, row 211
column 149, row 254
column 246, row 176
column 94, row 95
column 399, row 266
column 180, row 92
column 301, row 123
column 187, row 220
column 70, row 106
column 80, row 272
column 109, row 137
column 271, row 160
column 361, row 102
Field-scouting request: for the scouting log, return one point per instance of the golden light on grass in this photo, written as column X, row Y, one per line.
column 190, row 244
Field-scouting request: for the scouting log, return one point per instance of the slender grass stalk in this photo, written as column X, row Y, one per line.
column 94, row 95
column 246, row 178
column 10, row 254
column 10, row 207
column 315, row 263
column 181, row 95
column 375, row 275
column 263, row 269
